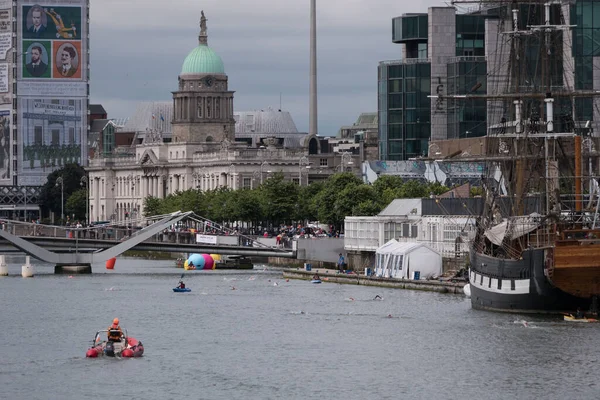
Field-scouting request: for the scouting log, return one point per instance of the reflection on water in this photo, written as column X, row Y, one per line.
column 264, row 341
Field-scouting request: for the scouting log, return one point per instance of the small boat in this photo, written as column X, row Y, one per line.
column 315, row 281
column 126, row 347
column 181, row 290
column 571, row 318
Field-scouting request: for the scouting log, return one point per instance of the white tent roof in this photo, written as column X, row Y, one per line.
column 395, row 247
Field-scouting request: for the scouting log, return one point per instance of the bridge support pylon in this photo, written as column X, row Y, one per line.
column 27, row 268
column 3, row 266
column 73, row 269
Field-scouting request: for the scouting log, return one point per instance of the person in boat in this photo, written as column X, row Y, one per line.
column 181, row 285
column 115, row 333
column 316, row 277
column 579, row 314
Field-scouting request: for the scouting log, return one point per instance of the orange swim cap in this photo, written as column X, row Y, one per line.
column 116, row 321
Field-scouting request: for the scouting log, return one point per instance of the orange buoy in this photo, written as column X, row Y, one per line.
column 110, row 264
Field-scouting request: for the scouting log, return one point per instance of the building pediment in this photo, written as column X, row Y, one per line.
column 148, row 158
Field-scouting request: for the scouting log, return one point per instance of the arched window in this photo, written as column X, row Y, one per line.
column 313, row 146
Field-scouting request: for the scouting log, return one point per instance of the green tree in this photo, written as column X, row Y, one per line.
column 476, row 191
column 278, row 199
column 351, row 197
column 325, row 202
column 50, row 194
column 152, row 206
column 246, row 205
column 307, row 209
column 76, row 205
column 385, row 182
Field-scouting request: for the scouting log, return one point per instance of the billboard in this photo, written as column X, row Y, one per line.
column 53, row 131
column 5, row 147
column 5, row 92
column 52, row 90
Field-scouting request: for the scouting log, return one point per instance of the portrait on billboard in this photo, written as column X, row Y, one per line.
column 4, row 144
column 51, row 22
column 37, row 59
column 36, row 22
column 66, row 60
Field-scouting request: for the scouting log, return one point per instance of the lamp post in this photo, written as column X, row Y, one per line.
column 60, row 181
column 84, row 181
column 303, row 161
column 261, row 170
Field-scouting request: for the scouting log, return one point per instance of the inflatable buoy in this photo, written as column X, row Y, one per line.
column 110, row 264
column 209, row 262
column 196, row 260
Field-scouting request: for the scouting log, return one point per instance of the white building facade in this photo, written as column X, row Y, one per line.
column 198, row 142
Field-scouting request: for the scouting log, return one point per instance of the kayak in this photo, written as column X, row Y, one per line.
column 180, row 290
column 315, row 281
column 571, row 318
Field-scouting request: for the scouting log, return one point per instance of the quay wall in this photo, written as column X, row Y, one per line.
column 356, row 279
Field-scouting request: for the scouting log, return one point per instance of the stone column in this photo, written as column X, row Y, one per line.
column 313, row 117
column 160, row 183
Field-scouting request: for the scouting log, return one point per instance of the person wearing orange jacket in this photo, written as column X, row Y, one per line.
column 114, row 331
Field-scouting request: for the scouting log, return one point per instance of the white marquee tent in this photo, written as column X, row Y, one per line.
column 402, row 260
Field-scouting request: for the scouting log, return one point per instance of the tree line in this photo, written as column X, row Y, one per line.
column 276, row 201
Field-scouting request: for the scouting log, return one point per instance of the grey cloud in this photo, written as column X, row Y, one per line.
column 138, row 47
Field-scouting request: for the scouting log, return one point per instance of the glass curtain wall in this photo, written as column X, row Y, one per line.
column 586, row 45
column 467, row 117
column 405, row 109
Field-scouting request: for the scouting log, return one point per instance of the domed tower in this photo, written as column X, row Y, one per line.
column 203, row 106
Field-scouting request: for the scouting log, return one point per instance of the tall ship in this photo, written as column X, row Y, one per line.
column 537, row 245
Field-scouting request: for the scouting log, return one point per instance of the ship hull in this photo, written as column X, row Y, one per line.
column 517, row 285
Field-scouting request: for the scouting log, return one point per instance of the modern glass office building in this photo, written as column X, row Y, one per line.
column 447, row 53
column 442, row 53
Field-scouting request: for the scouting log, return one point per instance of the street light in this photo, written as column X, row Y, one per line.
column 84, row 181
column 261, row 170
column 59, row 181
column 303, row 161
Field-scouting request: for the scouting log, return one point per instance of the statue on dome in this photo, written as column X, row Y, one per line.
column 202, row 24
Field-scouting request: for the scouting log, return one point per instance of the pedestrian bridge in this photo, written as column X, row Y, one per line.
column 183, row 232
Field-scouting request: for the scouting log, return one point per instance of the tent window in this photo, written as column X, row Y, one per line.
column 399, row 264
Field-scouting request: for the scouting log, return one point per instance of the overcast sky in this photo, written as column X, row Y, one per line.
column 138, row 47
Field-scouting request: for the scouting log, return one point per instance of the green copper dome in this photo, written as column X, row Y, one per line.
column 203, row 60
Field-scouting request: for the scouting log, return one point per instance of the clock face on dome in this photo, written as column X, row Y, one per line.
column 208, row 81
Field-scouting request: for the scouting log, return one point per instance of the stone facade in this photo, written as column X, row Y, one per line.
column 203, row 109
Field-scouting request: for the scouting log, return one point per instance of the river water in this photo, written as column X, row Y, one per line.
column 272, row 339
